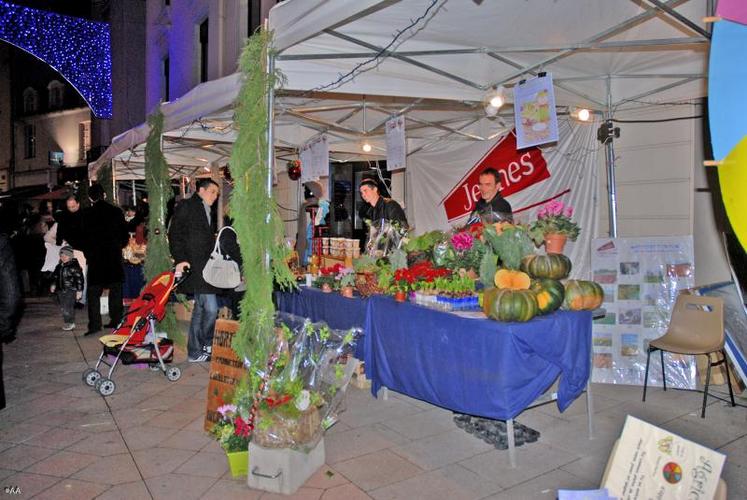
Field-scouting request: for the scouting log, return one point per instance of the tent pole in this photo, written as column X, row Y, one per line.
column 609, row 149
column 134, row 194
column 270, row 136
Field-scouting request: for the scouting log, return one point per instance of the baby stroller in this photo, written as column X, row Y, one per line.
column 135, row 339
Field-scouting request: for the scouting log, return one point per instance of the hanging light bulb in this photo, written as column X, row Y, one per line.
column 494, row 100
column 582, row 114
column 491, row 110
column 366, row 147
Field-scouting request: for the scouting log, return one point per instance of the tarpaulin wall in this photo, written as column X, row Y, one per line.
column 571, row 165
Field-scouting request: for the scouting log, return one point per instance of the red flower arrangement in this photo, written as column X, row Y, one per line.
column 331, row 270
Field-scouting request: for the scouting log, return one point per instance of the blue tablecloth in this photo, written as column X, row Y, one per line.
column 340, row 313
column 476, row 366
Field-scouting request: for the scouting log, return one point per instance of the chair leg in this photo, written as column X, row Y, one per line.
column 645, row 377
column 707, row 382
column 663, row 373
column 728, row 377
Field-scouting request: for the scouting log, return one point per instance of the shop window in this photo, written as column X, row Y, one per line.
column 84, row 139
column 29, row 141
column 30, row 100
column 56, row 91
column 202, row 58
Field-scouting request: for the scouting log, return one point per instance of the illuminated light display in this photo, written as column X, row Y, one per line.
column 78, row 49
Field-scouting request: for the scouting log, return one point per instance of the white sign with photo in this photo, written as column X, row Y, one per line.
column 534, row 112
column 315, row 159
column 641, row 278
column 396, row 144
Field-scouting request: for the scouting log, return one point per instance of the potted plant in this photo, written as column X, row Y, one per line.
column 403, row 281
column 233, row 434
column 346, row 278
column 554, row 226
column 327, row 279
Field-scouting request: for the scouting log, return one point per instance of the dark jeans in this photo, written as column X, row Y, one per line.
column 202, row 327
column 67, row 305
column 93, row 296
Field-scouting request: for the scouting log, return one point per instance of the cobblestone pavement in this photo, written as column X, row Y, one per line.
column 59, row 439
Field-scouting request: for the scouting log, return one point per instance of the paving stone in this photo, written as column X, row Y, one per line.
column 62, row 464
column 377, row 469
column 158, row 461
column 21, row 456
column 187, row 439
column 72, row 489
column 451, row 482
column 102, row 444
column 114, row 469
column 205, row 464
column 544, row 486
column 58, row 438
column 145, row 436
column 354, row 443
column 181, row 486
column 303, row 493
column 22, row 433
column 127, row 491
column 231, row 490
column 345, row 492
column 434, row 452
column 423, row 424
column 326, row 477
column 29, row 484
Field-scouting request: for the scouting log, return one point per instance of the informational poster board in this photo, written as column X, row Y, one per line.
column 641, row 278
column 315, row 159
column 650, row 462
column 396, row 145
column 226, row 370
column 534, row 112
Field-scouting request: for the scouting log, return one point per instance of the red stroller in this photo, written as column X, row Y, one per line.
column 135, row 339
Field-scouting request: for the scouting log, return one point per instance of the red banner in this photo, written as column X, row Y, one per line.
column 517, row 169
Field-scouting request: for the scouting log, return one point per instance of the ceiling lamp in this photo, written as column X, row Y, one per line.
column 582, row 114
column 494, row 100
column 366, row 147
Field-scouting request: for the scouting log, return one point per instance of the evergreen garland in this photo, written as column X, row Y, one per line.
column 250, row 206
column 157, row 183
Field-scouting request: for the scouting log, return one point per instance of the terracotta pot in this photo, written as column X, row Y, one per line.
column 347, row 291
column 400, row 296
column 326, row 288
column 554, row 243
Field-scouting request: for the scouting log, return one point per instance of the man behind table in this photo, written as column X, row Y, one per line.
column 379, row 207
column 490, row 200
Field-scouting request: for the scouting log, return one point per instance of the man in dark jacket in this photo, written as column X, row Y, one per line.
column 10, row 300
column 491, row 204
column 379, row 207
column 70, row 224
column 191, row 240
column 105, row 235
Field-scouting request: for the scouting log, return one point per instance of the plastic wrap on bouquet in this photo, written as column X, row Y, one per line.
column 384, row 237
column 308, row 383
column 491, row 217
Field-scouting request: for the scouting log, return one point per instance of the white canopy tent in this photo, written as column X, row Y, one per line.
column 349, row 66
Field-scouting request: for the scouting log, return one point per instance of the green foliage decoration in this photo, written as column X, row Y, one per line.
column 157, row 183
column 256, row 220
column 104, row 177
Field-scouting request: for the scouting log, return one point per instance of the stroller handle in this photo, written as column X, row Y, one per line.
column 179, row 279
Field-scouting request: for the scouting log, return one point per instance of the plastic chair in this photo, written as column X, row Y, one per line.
column 696, row 327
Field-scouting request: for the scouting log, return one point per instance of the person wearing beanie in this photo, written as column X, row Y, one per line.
column 380, row 208
column 67, row 283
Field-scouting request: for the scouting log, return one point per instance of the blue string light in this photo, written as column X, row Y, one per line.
column 78, row 49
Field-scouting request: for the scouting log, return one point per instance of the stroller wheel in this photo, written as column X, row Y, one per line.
column 105, row 386
column 173, row 373
column 90, row 376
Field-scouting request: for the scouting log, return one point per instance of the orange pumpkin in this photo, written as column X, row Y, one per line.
column 512, row 280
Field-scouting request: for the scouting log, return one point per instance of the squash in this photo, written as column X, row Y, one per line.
column 582, row 295
column 511, row 279
column 501, row 226
column 554, row 266
column 509, row 305
column 549, row 293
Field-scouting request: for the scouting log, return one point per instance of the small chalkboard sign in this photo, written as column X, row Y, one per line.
column 226, row 370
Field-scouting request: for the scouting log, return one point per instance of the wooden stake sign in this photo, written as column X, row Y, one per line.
column 226, row 370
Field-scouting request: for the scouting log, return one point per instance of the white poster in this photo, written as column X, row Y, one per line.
column 650, row 462
column 641, row 278
column 315, row 159
column 396, row 145
column 443, row 183
column 534, row 112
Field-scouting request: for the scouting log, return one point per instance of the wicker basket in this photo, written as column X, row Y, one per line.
column 367, row 284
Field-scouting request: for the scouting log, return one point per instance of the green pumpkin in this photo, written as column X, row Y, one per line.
column 555, row 266
column 509, row 305
column 582, row 295
column 549, row 293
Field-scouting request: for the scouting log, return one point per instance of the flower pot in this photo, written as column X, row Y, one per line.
column 326, row 288
column 238, row 462
column 400, row 296
column 554, row 242
column 347, row 291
